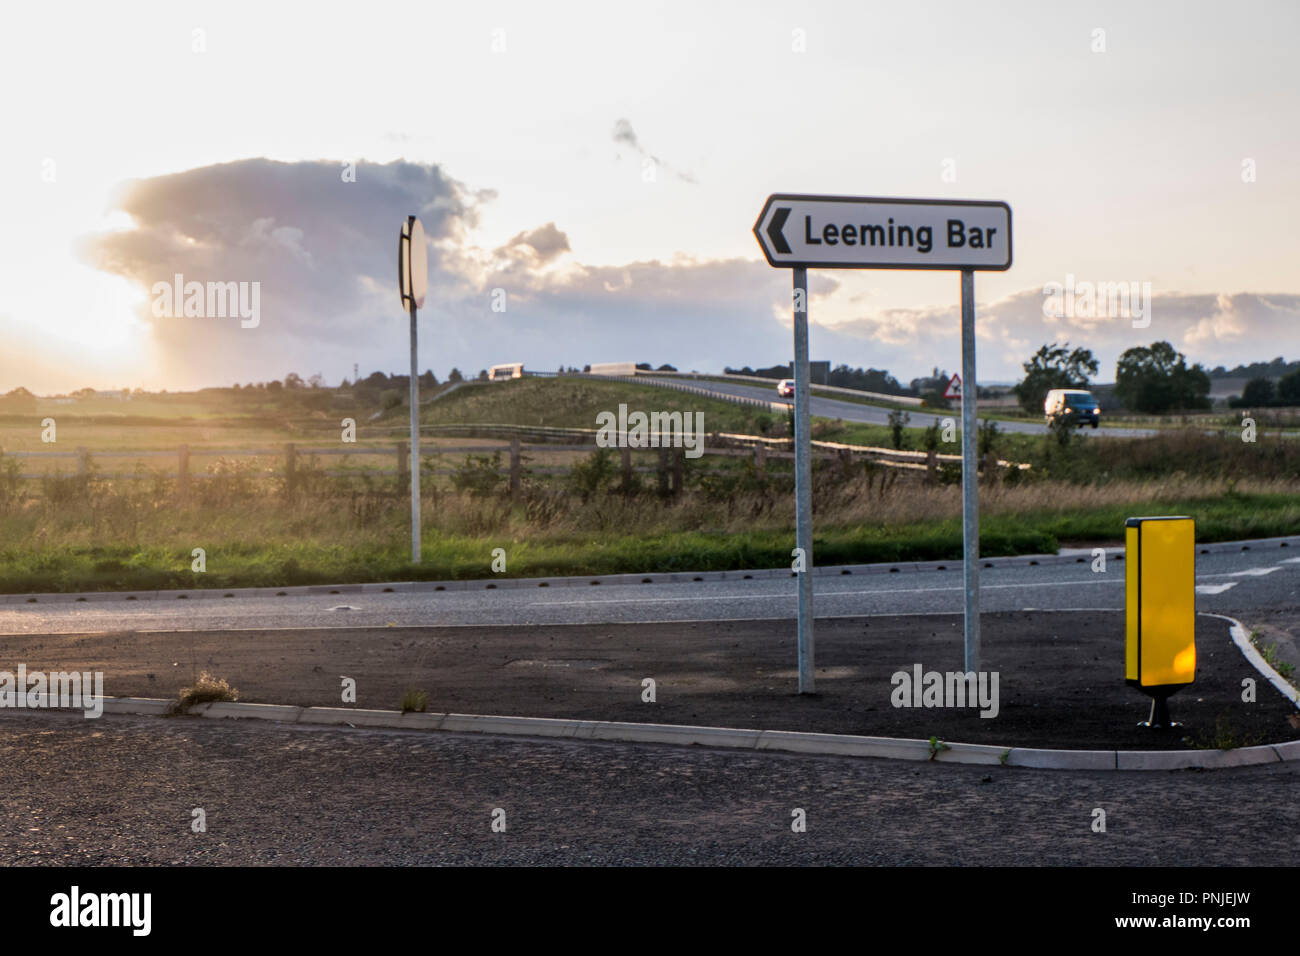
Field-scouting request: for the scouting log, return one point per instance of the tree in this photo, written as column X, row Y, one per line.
column 1288, row 389
column 455, row 376
column 482, row 375
column 1157, row 379
column 294, row 380
column 1053, row 366
column 1258, row 393
column 18, row 400
column 428, row 379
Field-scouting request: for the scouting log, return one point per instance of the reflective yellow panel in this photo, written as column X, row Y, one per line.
column 1166, row 598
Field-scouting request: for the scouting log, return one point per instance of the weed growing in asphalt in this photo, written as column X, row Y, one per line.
column 1225, row 736
column 1269, row 653
column 414, row 701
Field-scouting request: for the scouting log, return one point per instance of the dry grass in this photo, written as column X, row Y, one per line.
column 205, row 690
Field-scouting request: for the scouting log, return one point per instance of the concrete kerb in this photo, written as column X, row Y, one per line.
column 1241, row 637
column 724, row 737
column 744, row 739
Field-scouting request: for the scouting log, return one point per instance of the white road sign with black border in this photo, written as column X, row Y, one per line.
column 844, row 232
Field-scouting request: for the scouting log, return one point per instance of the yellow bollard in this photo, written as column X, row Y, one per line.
column 1160, row 610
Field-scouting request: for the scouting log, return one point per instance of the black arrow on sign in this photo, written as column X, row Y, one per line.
column 774, row 230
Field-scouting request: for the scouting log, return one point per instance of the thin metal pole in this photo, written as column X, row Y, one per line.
column 803, row 480
column 415, row 446
column 970, row 522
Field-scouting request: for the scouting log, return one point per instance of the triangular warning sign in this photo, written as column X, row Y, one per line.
column 954, row 387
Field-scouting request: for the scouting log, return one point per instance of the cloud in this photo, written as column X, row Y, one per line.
column 540, row 246
column 624, row 135
column 1211, row 329
column 324, row 252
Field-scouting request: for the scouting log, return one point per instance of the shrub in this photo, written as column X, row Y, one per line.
column 898, row 420
column 480, row 475
column 593, row 475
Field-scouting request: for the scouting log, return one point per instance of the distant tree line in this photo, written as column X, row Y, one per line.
column 1151, row 378
column 1263, row 392
column 1275, row 369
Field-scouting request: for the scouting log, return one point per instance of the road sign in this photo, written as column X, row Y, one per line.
column 844, row 232
column 412, row 263
column 413, row 285
column 800, row 232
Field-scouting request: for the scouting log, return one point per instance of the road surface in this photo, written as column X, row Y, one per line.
column 1240, row 584
column 871, row 414
column 122, row 790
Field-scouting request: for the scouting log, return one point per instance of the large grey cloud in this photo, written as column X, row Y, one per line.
column 322, row 247
column 324, row 251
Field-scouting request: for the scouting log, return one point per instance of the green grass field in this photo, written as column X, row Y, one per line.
column 72, row 534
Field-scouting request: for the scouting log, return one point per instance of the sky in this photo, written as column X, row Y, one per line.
column 588, row 176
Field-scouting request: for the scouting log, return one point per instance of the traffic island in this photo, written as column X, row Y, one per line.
column 1050, row 680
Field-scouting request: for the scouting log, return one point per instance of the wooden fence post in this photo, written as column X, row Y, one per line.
column 514, row 467
column 626, row 455
column 760, row 458
column 402, row 475
column 679, row 465
column 83, row 461
column 183, row 473
column 663, row 471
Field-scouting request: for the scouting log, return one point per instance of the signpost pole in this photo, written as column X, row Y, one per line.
column 415, row 447
column 801, row 232
column 969, row 478
column 803, row 480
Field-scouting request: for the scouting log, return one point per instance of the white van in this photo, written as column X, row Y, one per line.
column 1074, row 404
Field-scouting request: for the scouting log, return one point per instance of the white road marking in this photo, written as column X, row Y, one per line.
column 1289, row 561
column 1254, row 572
column 1215, row 588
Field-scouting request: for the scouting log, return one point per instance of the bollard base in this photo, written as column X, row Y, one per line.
column 1160, row 719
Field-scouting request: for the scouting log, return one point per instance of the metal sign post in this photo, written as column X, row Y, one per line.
column 970, row 520
column 802, row 232
column 803, row 479
column 413, row 284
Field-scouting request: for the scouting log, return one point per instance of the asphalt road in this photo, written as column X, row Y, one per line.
column 122, row 790
column 871, row 414
column 1239, row 584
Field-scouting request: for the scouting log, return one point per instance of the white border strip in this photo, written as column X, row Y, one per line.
column 1241, row 637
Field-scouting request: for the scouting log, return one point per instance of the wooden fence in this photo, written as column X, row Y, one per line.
column 669, row 469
